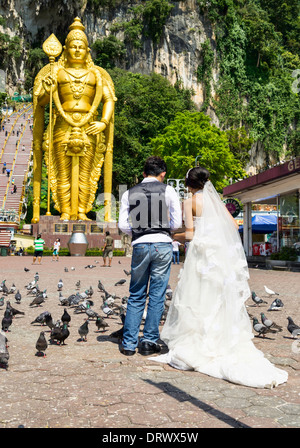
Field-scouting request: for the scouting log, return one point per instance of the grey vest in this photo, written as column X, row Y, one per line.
column 148, row 211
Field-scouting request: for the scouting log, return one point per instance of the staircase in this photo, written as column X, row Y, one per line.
column 16, row 147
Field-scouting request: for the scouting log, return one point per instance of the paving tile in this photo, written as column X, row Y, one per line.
column 92, row 385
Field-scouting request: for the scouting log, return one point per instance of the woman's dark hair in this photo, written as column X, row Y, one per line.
column 154, row 166
column 197, row 177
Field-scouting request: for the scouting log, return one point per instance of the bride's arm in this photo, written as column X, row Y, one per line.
column 188, row 221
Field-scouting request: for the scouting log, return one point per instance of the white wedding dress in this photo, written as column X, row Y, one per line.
column 207, row 327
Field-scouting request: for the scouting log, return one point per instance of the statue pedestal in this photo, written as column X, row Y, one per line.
column 51, row 228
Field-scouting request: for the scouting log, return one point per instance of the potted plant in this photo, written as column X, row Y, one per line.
column 283, row 257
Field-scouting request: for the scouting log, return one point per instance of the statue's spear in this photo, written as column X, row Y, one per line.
column 52, row 47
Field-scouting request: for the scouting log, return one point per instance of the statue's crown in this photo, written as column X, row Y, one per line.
column 77, row 32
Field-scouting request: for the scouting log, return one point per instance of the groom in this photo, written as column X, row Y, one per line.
column 149, row 212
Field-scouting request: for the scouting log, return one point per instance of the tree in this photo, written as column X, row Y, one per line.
column 108, row 51
column 145, row 106
column 189, row 135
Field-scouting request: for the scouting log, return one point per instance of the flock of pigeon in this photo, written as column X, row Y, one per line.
column 74, row 303
column 83, row 302
column 267, row 325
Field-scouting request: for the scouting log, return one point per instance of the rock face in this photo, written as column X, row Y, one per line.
column 175, row 56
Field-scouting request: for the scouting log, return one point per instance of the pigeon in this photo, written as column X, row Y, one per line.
column 90, row 291
column 38, row 300
column 270, row 292
column 100, row 323
column 120, row 282
column 83, row 330
column 82, row 306
column 36, row 277
column 4, row 355
column 2, row 301
column 41, row 318
column 90, row 266
column 101, row 286
column 26, row 269
column 66, row 269
column 41, row 345
column 276, row 305
column 30, row 285
column 60, row 333
column 169, row 292
column 72, row 268
column 4, row 288
column 55, row 332
column 261, row 329
column 12, row 289
column 127, row 272
column 83, row 295
column 14, row 311
column 107, row 310
column 269, row 323
column 7, row 320
column 64, row 334
column 34, row 290
column 257, row 300
column 66, row 318
column 91, row 313
column 49, row 321
column 77, row 284
column 63, row 300
column 109, row 301
column 60, row 285
column 293, row 328
column 18, row 297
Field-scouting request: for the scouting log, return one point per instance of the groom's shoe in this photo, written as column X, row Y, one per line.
column 148, row 348
column 127, row 352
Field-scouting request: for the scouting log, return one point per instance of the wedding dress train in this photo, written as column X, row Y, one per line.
column 207, row 327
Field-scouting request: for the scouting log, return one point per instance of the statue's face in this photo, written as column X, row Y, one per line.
column 77, row 51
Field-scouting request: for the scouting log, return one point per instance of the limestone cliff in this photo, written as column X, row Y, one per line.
column 175, row 56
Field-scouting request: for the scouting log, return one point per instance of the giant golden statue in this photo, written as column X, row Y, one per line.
column 76, row 143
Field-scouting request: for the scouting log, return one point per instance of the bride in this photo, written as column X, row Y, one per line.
column 207, row 327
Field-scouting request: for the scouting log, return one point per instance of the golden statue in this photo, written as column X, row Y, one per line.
column 75, row 144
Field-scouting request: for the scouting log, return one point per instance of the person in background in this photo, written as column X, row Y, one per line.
column 39, row 248
column 56, row 247
column 176, row 245
column 108, row 249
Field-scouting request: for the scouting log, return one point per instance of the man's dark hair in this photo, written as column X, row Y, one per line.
column 39, row 236
column 154, row 166
column 107, row 233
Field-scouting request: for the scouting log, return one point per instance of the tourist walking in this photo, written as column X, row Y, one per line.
column 56, row 247
column 39, row 248
column 108, row 249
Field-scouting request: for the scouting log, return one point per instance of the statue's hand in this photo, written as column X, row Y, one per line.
column 48, row 82
column 95, row 127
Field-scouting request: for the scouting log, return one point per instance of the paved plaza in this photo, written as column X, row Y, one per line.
column 92, row 385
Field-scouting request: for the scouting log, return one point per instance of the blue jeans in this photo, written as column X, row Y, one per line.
column 151, row 264
column 176, row 256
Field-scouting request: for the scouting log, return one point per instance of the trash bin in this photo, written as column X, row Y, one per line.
column 4, row 251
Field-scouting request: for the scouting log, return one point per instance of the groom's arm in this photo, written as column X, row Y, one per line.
column 124, row 224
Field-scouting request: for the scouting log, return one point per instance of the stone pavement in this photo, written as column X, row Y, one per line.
column 92, row 385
